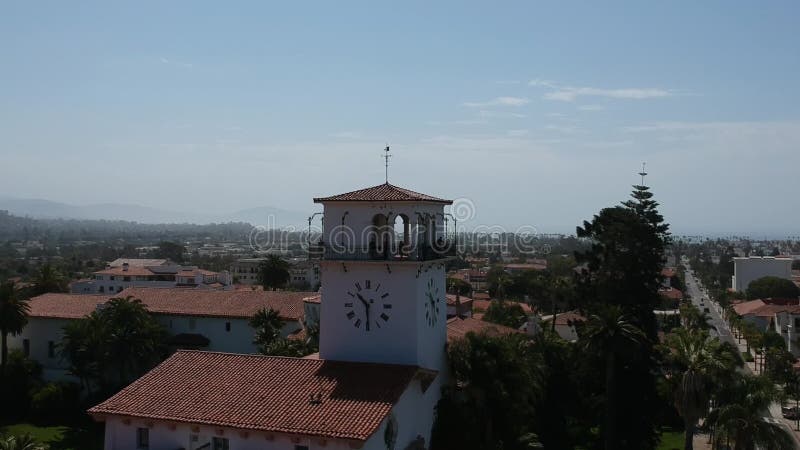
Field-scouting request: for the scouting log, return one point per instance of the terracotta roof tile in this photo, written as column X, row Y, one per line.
column 265, row 393
column 132, row 271
column 451, row 300
column 381, row 193
column 457, row 328
column 65, row 306
column 177, row 301
column 671, row 293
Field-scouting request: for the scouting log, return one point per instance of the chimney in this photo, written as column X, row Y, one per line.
column 124, row 267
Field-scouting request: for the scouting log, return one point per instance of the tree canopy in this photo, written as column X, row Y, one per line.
column 114, row 345
column 273, row 273
column 772, row 287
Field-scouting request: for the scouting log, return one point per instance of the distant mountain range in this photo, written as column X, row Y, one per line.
column 46, row 209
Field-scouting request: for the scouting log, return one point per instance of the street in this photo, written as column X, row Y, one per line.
column 720, row 327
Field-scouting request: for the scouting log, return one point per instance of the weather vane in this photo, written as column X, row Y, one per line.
column 386, row 157
column 642, row 173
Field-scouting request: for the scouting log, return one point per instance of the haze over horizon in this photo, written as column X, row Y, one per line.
column 539, row 114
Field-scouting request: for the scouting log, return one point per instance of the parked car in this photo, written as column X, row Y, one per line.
column 791, row 413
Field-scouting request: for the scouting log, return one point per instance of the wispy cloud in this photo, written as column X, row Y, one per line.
column 516, row 133
column 571, row 93
column 500, row 114
column 498, row 101
column 591, row 107
column 175, row 63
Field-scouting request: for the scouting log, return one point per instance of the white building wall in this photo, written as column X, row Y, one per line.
column 745, row 270
column 40, row 332
column 414, row 415
column 396, row 339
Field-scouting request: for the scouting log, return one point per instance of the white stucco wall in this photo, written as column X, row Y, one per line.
column 405, row 338
column 39, row 331
column 745, row 270
column 413, row 412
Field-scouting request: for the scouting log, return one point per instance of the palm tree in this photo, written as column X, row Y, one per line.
column 273, row 273
column 696, row 361
column 13, row 317
column 48, row 279
column 739, row 417
column 21, row 442
column 610, row 333
column 268, row 324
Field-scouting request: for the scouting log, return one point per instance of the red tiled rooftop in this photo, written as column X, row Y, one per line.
column 451, row 300
column 671, row 293
column 457, row 328
column 264, row 393
column 380, row 193
column 65, row 306
column 484, row 304
column 569, row 318
column 177, row 301
column 668, row 272
column 131, row 271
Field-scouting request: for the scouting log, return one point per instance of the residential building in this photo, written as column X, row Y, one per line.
column 123, row 273
column 303, row 273
column 458, row 306
column 381, row 366
column 779, row 315
column 199, row 319
column 565, row 324
column 747, row 269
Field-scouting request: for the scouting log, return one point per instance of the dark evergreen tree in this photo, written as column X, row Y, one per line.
column 622, row 269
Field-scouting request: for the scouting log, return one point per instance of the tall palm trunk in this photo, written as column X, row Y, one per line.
column 4, row 351
column 688, row 433
column 611, row 403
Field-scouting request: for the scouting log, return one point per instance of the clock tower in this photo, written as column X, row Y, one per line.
column 383, row 297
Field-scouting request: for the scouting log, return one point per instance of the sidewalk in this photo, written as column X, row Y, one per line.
column 775, row 408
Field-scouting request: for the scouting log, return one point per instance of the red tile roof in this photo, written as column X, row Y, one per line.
column 525, row 266
column 668, row 272
column 65, row 306
column 484, row 304
column 132, row 271
column 465, row 301
column 265, row 393
column 381, row 193
column 766, row 307
column 177, row 301
column 457, row 328
column 569, row 318
column 671, row 293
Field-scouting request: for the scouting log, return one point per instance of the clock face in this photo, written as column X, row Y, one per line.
column 432, row 303
column 368, row 306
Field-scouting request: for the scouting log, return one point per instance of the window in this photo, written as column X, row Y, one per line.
column 26, row 347
column 227, row 326
column 102, row 289
column 170, row 324
column 300, row 447
column 219, row 443
column 192, row 323
column 51, row 349
column 126, row 278
column 142, row 438
column 111, row 277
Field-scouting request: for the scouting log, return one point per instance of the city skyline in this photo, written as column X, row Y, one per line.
column 539, row 114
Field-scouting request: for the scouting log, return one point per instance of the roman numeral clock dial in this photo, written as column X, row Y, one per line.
column 368, row 306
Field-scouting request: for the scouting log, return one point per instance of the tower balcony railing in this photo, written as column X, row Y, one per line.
column 422, row 252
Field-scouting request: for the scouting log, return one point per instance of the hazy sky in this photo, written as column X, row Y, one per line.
column 539, row 113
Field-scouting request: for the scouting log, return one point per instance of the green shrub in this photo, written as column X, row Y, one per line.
column 56, row 401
